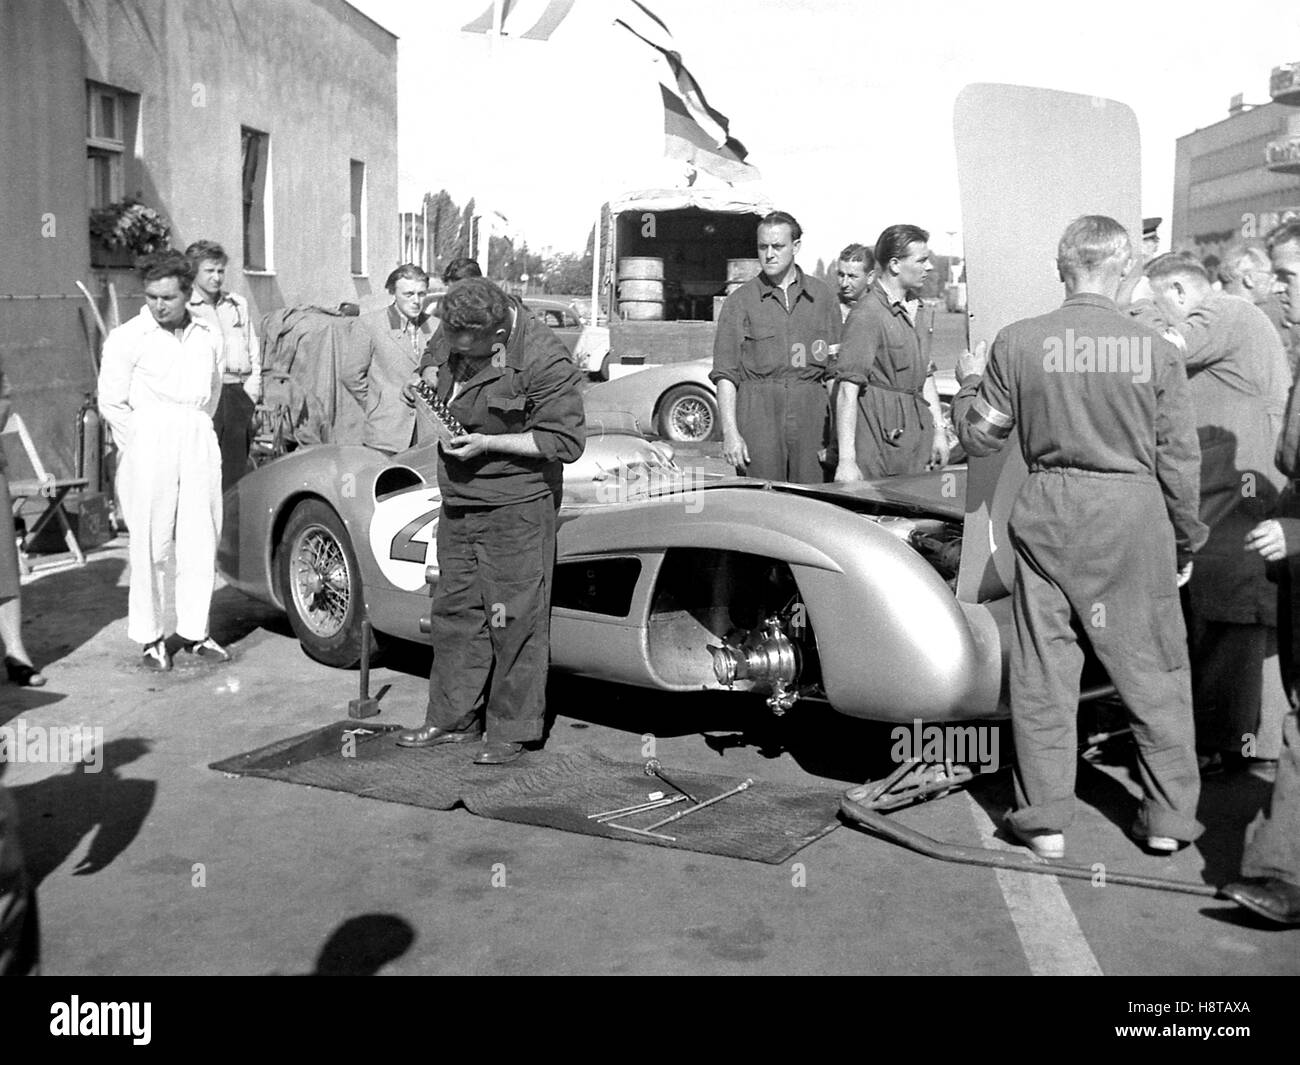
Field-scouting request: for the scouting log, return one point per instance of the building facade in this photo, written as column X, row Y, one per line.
column 1239, row 178
column 269, row 127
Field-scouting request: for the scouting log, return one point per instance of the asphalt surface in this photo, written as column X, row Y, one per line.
column 158, row 865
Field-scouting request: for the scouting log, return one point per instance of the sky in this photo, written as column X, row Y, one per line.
column 845, row 106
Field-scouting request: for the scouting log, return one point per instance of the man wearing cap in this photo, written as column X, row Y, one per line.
column 888, row 420
column 1103, row 529
column 775, row 337
column 1150, row 238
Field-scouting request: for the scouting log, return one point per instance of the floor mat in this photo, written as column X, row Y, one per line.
column 765, row 823
column 554, row 789
column 373, row 766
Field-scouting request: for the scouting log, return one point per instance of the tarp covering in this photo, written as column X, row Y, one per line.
column 302, row 351
column 727, row 200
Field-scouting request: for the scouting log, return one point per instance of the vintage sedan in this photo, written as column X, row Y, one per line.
column 666, row 578
column 678, row 402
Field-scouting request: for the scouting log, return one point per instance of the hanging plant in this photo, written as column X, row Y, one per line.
column 129, row 226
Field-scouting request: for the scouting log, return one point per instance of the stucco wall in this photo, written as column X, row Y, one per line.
column 316, row 75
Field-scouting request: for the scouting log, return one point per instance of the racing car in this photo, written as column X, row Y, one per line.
column 666, row 577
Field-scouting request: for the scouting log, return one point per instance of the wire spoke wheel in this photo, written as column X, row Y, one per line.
column 320, row 581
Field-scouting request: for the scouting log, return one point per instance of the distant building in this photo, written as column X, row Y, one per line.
column 270, row 127
column 1239, row 178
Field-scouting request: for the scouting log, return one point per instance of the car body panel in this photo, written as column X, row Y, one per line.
column 892, row 641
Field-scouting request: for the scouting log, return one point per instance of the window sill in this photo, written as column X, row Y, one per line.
column 360, row 277
column 259, row 273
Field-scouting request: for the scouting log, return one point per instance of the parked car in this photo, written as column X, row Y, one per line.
column 560, row 315
column 679, row 403
column 665, row 579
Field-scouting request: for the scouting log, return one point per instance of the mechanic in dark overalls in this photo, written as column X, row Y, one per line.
column 775, row 337
column 512, row 386
column 1103, row 531
column 888, row 420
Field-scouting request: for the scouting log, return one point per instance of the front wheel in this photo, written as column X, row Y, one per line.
column 321, row 585
column 688, row 414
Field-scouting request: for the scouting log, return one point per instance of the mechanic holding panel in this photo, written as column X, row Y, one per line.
column 1103, row 530
column 776, row 335
column 511, row 384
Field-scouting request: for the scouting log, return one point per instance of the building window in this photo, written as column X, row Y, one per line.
column 357, row 217
column 255, row 156
column 111, row 117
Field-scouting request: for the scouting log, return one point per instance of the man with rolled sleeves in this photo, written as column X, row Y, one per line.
column 384, row 356
column 1239, row 380
column 512, row 386
column 888, row 420
column 775, row 337
column 1103, row 530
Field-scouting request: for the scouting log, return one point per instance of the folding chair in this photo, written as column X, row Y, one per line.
column 53, row 490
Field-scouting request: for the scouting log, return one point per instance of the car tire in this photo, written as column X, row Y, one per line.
column 688, row 414
column 320, row 584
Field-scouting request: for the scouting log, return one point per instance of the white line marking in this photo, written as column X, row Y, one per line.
column 1050, row 935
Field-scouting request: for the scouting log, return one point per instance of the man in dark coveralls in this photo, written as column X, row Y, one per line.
column 1239, row 380
column 776, row 335
column 513, row 387
column 887, row 415
column 1270, row 866
column 1103, row 530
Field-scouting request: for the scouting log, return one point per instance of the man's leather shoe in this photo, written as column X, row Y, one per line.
column 432, row 736
column 1267, row 896
column 498, row 753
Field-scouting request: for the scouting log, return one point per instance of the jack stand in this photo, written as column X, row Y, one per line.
column 911, row 782
column 364, row 706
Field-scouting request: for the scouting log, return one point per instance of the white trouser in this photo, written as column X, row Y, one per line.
column 169, row 487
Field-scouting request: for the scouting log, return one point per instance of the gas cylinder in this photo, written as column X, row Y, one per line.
column 90, row 444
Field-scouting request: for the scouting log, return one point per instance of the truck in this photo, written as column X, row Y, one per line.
column 668, row 259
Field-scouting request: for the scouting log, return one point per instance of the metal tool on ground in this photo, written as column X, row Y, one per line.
column 877, row 823
column 643, row 832
column 700, row 806
column 364, row 705
column 654, row 769
column 628, row 811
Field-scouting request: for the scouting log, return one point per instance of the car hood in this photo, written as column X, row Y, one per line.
column 941, row 494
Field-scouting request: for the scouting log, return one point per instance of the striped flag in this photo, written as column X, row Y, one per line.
column 530, row 20
column 693, row 130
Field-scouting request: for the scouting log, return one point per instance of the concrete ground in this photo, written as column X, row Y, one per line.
column 158, row 865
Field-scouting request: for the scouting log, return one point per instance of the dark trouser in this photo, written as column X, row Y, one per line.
column 1095, row 555
column 1275, row 848
column 491, row 618
column 233, row 423
column 782, row 420
column 1237, row 691
column 19, row 949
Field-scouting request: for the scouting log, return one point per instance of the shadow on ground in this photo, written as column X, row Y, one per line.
column 58, row 813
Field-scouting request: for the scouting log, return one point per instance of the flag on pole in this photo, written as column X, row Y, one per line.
column 693, row 130
column 530, row 20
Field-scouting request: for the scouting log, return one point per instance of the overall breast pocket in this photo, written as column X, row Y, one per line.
column 509, row 413
column 763, row 353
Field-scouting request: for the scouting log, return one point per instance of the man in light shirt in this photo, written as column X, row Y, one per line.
column 159, row 385
column 241, row 356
